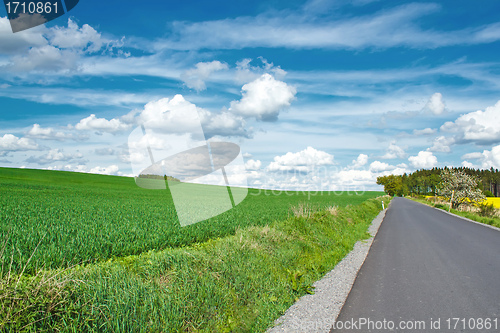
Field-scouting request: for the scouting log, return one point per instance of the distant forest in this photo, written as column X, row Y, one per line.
column 426, row 182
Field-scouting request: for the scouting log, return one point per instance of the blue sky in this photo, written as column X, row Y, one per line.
column 355, row 88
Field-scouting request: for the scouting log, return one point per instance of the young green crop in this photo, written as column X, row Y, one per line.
column 72, row 218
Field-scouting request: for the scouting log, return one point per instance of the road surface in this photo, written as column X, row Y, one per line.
column 426, row 268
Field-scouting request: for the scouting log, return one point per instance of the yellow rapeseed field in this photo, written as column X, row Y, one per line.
column 495, row 201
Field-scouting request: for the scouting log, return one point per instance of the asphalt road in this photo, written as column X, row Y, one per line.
column 426, row 266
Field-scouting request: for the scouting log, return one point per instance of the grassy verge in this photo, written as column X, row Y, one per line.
column 239, row 283
column 493, row 221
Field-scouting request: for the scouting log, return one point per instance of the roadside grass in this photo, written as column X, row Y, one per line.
column 490, row 220
column 238, row 283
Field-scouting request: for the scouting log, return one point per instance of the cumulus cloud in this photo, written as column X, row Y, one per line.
column 92, row 123
column 442, row 144
column 360, row 161
column 224, row 124
column 84, row 38
column 487, row 159
column 178, row 116
column 54, row 155
column 435, row 104
column 394, row 151
column 467, row 164
column 303, row 161
column 253, row 165
column 55, row 49
column 263, row 98
column 13, row 43
column 49, row 133
column 174, row 115
column 378, row 166
column 480, row 127
column 353, row 178
column 424, row 160
column 11, row 142
column 195, row 78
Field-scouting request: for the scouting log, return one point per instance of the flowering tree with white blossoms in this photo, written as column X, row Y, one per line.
column 460, row 188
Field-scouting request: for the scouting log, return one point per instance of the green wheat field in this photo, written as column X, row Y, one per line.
column 85, row 252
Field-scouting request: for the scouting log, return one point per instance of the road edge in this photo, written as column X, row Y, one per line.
column 318, row 312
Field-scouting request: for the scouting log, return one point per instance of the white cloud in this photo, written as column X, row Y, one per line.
column 425, row 131
column 472, row 156
column 487, row 159
column 353, row 178
column 54, row 155
column 196, row 77
column 386, row 28
column 467, row 164
column 48, row 133
column 55, row 49
column 253, row 165
column 303, row 161
column 480, row 127
column 245, row 72
column 424, row 160
column 178, row 116
column 378, row 166
column 169, row 115
column 394, row 151
column 69, row 167
column 10, row 142
column 110, row 170
column 92, row 123
column 79, row 97
column 263, row 98
column 442, row 144
column 45, row 58
column 223, row 124
column 85, row 38
column 361, row 160
column 13, row 43
column 435, row 104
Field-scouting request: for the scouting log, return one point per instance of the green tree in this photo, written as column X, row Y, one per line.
column 393, row 185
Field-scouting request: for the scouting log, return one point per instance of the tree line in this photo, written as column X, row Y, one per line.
column 428, row 182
